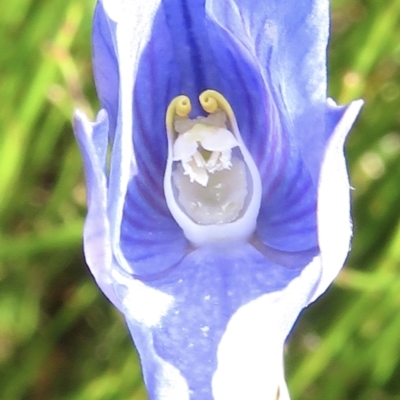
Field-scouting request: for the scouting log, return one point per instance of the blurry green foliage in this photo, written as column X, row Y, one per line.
column 60, row 339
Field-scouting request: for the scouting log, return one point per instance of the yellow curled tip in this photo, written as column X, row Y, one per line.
column 182, row 106
column 179, row 106
column 208, row 101
column 211, row 101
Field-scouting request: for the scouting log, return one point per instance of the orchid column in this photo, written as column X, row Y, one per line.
column 224, row 209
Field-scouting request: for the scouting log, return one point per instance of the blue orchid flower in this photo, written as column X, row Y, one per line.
column 218, row 196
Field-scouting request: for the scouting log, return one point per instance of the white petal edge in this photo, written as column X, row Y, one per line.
column 147, row 306
column 250, row 354
column 166, row 380
column 333, row 210
column 142, row 303
column 133, row 30
column 113, row 9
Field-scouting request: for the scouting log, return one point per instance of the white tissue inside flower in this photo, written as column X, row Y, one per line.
column 211, row 183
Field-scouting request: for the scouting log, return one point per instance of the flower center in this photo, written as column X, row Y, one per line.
column 211, row 184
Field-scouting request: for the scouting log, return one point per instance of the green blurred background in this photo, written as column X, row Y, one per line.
column 60, row 339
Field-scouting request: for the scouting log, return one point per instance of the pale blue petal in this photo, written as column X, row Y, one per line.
column 287, row 40
column 260, row 30
column 133, row 21
column 146, row 237
column 150, row 238
column 208, row 288
column 93, row 142
column 105, row 65
column 181, row 60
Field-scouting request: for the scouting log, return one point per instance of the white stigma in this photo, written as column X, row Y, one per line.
column 203, row 150
column 212, row 185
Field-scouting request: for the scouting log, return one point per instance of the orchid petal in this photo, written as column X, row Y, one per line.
column 188, row 303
